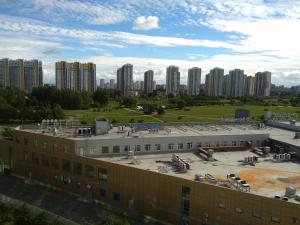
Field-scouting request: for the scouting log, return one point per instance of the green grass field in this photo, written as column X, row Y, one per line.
column 192, row 114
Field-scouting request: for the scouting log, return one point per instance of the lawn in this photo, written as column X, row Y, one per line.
column 192, row 114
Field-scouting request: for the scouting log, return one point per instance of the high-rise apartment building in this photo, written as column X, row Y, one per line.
column 16, row 73
column 112, row 84
column 4, row 73
column 102, row 83
column 32, row 74
column 75, row 76
column 236, row 83
column 125, row 80
column 21, row 74
column 214, row 82
column 173, row 81
column 148, row 82
column 250, row 86
column 263, row 83
column 194, row 81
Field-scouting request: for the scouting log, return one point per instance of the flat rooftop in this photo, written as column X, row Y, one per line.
column 267, row 178
column 177, row 130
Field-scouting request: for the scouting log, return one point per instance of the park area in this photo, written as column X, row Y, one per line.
column 212, row 113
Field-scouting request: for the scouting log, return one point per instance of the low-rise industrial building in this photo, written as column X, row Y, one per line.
column 184, row 173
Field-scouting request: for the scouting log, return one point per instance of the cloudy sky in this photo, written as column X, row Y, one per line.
column 254, row 35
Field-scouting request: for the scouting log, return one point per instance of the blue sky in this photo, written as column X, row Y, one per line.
column 252, row 35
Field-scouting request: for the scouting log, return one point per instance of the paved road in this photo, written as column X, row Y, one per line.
column 59, row 203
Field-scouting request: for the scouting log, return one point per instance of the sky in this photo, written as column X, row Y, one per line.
column 253, row 35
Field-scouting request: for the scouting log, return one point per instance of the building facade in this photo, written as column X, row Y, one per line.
column 236, row 83
column 263, row 84
column 112, row 84
column 250, row 86
column 214, row 82
column 4, row 73
column 75, row 76
column 170, row 197
column 194, row 81
column 148, row 82
column 172, row 80
column 125, row 80
column 32, row 74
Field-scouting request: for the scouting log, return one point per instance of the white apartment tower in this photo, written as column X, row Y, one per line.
column 194, row 81
column 172, row 80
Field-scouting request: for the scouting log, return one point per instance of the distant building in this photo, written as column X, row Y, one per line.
column 4, row 73
column 236, row 83
column 214, row 82
column 75, row 76
column 16, row 73
column 250, row 86
column 263, row 84
column 194, row 81
column 172, row 80
column 148, row 82
column 32, row 74
column 242, row 114
column 112, row 84
column 102, row 83
column 138, row 85
column 125, row 80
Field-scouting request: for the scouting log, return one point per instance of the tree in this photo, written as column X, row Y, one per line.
column 100, row 97
column 149, row 108
column 180, row 104
column 160, row 110
column 57, row 112
column 128, row 102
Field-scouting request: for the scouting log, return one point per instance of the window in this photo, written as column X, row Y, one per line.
column 45, row 160
column 55, row 148
column 225, row 143
column 105, row 149
column 102, row 193
column 102, row 174
column 147, row 147
column 233, row 143
column 126, row 148
column 25, row 141
column 241, row 143
column 180, row 146
column 116, row 197
column 189, row 145
column 185, row 200
column 238, row 210
column 55, row 163
column 221, row 205
column 217, row 144
column 66, row 149
column 157, row 147
column 35, row 143
column 35, row 159
column 116, row 149
column 66, row 165
column 17, row 140
column 137, row 148
column 45, row 145
column 256, row 214
column 77, row 168
column 275, row 219
column 26, row 156
column 170, row 146
column 89, row 171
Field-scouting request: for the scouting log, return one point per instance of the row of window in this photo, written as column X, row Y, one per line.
column 255, row 214
column 44, row 145
column 67, row 166
column 157, row 147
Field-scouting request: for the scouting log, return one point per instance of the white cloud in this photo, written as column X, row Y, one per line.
column 31, row 27
column 146, row 23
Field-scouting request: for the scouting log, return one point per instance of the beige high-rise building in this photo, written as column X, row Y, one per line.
column 263, row 84
column 148, row 82
column 75, row 76
column 194, row 81
column 16, row 73
column 214, row 82
column 125, row 80
column 32, row 74
column 250, row 86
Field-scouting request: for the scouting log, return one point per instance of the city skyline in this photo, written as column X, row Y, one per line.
column 254, row 36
